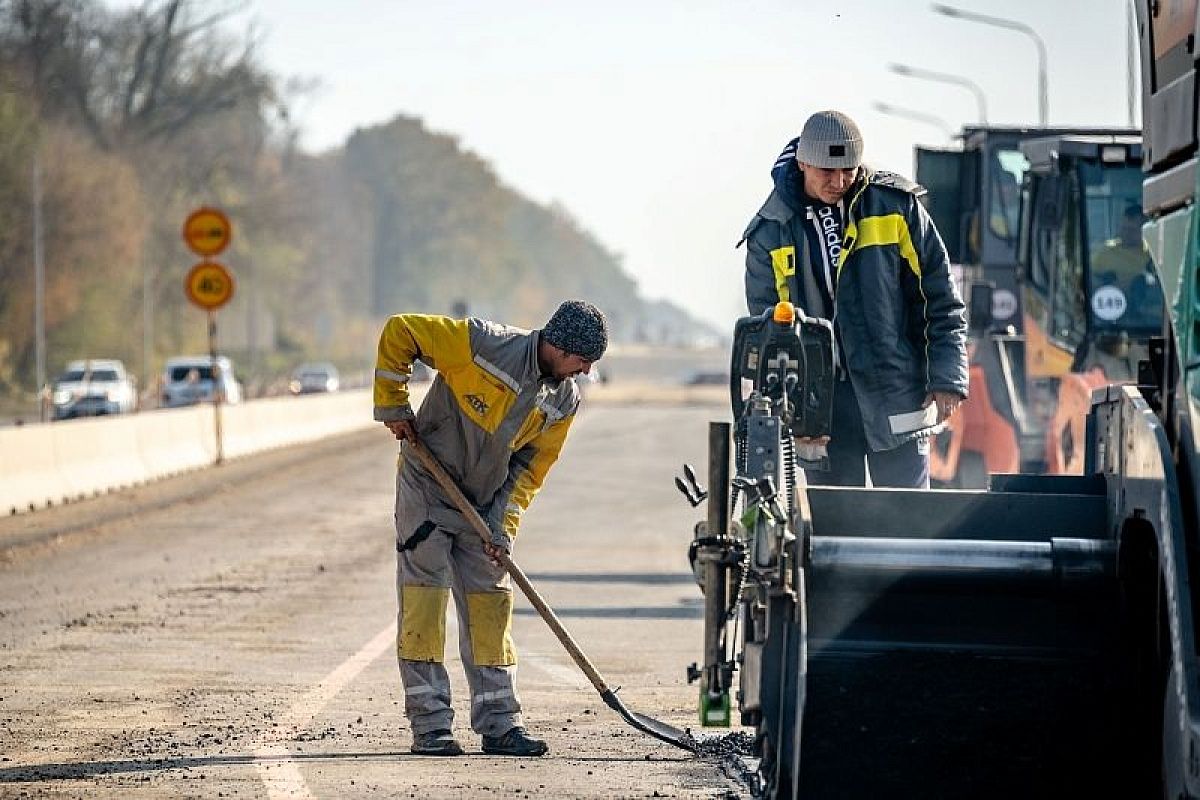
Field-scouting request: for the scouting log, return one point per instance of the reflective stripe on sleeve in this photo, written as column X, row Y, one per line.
column 392, row 376
column 552, row 414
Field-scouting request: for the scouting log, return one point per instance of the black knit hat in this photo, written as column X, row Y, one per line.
column 579, row 328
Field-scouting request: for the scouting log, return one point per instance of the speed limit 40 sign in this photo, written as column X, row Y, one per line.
column 209, row 285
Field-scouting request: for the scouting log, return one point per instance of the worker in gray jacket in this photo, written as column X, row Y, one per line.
column 496, row 417
column 857, row 247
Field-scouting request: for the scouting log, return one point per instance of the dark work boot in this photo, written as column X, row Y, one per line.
column 436, row 743
column 514, row 742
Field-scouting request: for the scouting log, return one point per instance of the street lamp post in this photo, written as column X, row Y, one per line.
column 1012, row 25
column 1131, row 44
column 39, row 286
column 945, row 77
column 917, row 116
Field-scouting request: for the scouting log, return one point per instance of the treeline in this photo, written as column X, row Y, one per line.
column 135, row 117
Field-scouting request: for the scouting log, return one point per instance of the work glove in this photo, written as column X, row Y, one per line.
column 813, row 454
column 500, row 540
column 494, row 517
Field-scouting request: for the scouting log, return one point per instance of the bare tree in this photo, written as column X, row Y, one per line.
column 132, row 76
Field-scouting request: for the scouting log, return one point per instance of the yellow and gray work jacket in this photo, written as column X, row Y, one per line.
column 898, row 315
column 490, row 417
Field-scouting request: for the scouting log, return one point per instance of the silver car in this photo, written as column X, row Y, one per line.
column 316, row 377
column 188, row 380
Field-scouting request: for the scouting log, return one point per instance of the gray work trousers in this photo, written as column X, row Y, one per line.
column 449, row 561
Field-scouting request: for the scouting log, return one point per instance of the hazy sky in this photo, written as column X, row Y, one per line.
column 656, row 122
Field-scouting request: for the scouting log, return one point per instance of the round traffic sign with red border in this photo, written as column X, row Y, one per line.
column 209, row 285
column 207, row 231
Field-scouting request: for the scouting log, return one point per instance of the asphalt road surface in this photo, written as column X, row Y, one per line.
column 230, row 633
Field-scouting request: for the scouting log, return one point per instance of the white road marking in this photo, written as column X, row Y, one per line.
column 571, row 676
column 275, row 766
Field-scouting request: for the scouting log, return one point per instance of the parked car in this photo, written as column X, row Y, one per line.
column 93, row 387
column 188, row 380
column 316, row 377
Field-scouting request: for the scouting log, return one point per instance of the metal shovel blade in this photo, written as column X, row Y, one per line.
column 656, row 728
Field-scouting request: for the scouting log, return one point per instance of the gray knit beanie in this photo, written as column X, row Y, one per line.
column 579, row 328
column 831, row 140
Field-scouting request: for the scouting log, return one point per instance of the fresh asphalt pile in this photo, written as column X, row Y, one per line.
column 734, row 753
column 738, row 743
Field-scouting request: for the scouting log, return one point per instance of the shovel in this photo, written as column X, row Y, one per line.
column 654, row 727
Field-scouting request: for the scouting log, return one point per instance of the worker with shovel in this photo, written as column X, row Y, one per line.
column 496, row 418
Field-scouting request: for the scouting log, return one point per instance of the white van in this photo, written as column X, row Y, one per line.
column 188, row 380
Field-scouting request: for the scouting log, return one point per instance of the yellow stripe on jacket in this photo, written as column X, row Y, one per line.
column 884, row 230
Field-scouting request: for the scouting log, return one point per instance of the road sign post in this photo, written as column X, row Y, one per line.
column 210, row 285
column 218, row 386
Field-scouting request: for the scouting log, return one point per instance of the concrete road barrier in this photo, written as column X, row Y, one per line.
column 51, row 463
column 173, row 441
column 97, row 454
column 29, row 476
column 277, row 421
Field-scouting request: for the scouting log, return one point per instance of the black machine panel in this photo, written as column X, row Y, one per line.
column 791, row 363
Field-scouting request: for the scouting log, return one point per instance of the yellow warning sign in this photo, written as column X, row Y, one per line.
column 207, row 231
column 209, row 285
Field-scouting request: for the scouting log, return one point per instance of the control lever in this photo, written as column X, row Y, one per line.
column 761, row 491
column 692, row 490
column 697, row 489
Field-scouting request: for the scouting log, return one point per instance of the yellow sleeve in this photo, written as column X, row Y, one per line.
column 533, row 462
column 441, row 342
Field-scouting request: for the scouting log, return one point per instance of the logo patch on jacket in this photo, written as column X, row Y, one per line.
column 476, row 402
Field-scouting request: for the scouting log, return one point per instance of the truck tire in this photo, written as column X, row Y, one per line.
column 1174, row 783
